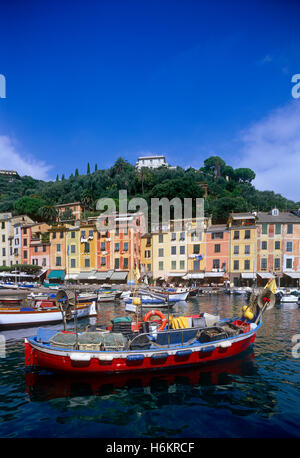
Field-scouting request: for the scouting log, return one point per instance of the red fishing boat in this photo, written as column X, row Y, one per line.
column 141, row 346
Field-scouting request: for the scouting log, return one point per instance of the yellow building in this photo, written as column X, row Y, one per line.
column 88, row 246
column 146, row 255
column 170, row 254
column 73, row 253
column 196, row 255
column 242, row 248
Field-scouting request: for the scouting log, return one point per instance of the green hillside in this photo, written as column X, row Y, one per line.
column 227, row 189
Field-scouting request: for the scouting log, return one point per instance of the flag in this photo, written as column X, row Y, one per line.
column 271, row 285
column 137, row 273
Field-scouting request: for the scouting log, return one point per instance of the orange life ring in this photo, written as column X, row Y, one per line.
column 164, row 320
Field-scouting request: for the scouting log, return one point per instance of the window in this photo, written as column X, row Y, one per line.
column 160, row 238
column 44, row 262
column 73, row 263
column 246, row 264
column 216, row 235
column 236, row 235
column 117, row 247
column 125, row 246
column 277, row 228
column 24, row 230
column 102, row 246
column 196, row 265
column 35, row 249
column 72, row 235
column 73, row 248
column 58, row 261
column 264, row 264
column 3, row 238
column 182, row 250
column 173, row 236
column 87, row 262
column 236, row 265
column 182, row 236
column 277, row 263
column 86, row 247
column 247, row 249
column 264, row 228
column 264, row 245
column 61, row 235
column 25, row 254
column 83, row 234
column 3, row 226
column 160, row 265
column 277, row 245
column 91, row 233
column 117, row 263
column 247, row 234
column 173, row 249
column 3, row 252
column 58, row 248
column 289, row 263
column 217, row 248
column 44, row 248
column 181, row 265
column 54, row 235
column 289, row 246
column 290, row 228
column 216, row 263
column 148, row 267
column 161, row 252
column 125, row 263
column 196, row 249
column 173, row 265
column 25, row 242
column 147, row 253
column 103, row 261
column 236, row 249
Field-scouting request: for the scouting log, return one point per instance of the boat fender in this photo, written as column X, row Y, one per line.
column 158, row 313
column 136, row 357
column 105, row 357
column 225, row 344
column 208, row 349
column 80, row 356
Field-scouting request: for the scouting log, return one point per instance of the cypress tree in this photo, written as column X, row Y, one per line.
column 76, row 173
column 88, row 169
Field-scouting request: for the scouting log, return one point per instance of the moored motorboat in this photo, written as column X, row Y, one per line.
column 28, row 316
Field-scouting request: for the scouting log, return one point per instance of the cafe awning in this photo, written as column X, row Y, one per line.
column 87, row 275
column 292, row 274
column 56, row 275
column 119, row 276
column 214, row 274
column 103, row 275
column 265, row 275
column 251, row 275
column 194, row 276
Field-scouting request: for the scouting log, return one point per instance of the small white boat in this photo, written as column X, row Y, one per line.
column 289, row 298
column 27, row 316
column 106, row 296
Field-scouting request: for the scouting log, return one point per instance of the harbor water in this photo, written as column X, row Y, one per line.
column 254, row 395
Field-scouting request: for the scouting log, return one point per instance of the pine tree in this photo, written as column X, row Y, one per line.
column 96, row 167
column 88, row 169
column 62, row 177
column 76, row 173
column 57, row 179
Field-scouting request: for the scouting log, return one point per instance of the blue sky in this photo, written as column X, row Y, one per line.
column 89, row 81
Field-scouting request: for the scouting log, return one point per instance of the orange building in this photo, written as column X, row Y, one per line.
column 216, row 253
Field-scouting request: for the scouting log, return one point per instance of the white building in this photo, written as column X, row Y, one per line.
column 151, row 162
column 10, row 237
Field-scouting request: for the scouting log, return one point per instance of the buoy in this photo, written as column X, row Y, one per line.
column 248, row 314
column 136, row 301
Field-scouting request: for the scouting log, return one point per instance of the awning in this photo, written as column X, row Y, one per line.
column 119, row 276
column 248, row 275
column 265, row 275
column 87, row 275
column 193, row 276
column 176, row 274
column 214, row 274
column 103, row 275
column 56, row 275
column 292, row 274
column 71, row 277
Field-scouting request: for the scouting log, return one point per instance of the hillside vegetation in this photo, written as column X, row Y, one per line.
column 227, row 189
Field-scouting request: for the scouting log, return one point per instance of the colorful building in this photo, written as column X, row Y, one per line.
column 10, row 244
column 73, row 253
column 217, row 253
column 146, row 255
column 242, row 248
column 278, row 247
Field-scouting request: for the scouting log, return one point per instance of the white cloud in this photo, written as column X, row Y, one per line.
column 271, row 147
column 11, row 158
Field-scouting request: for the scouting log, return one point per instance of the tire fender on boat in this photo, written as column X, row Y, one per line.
column 158, row 313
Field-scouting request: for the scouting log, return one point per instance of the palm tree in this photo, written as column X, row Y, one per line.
column 49, row 213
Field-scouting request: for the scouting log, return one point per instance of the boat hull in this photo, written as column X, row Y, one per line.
column 104, row 362
column 17, row 319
